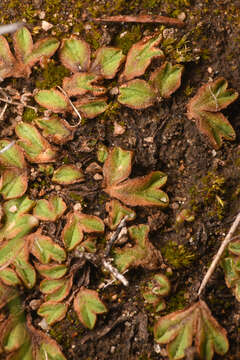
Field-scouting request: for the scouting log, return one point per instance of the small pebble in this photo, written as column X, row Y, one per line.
column 43, row 324
column 159, row 350
column 42, row 15
column 93, row 168
column 175, row 206
column 118, row 129
column 46, row 25
column 114, row 91
column 112, row 350
column 182, row 16
column 123, row 34
column 191, row 240
column 169, row 271
column 35, row 303
column 98, row 177
column 149, row 139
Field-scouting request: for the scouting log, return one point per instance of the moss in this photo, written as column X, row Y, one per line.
column 212, row 185
column 236, row 193
column 22, row 10
column 29, row 115
column 75, row 196
column 57, row 335
column 176, row 255
column 216, row 301
column 67, row 21
column 173, row 7
column 113, row 7
column 144, row 357
column 116, row 7
column 51, row 76
column 54, row 12
column 73, row 318
column 210, row 194
column 205, row 54
column 93, row 36
column 176, row 302
column 179, row 50
column 46, row 169
column 64, row 332
column 188, row 90
column 65, row 17
column 127, row 38
column 78, row 28
column 92, row 142
column 102, row 198
column 112, row 112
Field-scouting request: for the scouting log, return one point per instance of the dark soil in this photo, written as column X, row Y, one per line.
column 162, row 139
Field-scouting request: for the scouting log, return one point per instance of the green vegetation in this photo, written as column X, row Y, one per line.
column 29, row 115
column 210, row 193
column 176, row 255
column 176, row 302
column 127, row 38
column 51, row 75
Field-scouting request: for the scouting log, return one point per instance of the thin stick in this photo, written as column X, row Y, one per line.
column 95, row 258
column 11, row 27
column 3, row 111
column 115, row 236
column 116, row 274
column 17, row 103
column 110, row 282
column 142, row 19
column 217, row 257
column 73, row 106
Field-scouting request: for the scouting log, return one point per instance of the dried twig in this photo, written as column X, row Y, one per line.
column 68, row 302
column 142, row 19
column 217, row 257
column 3, row 111
column 98, row 260
column 110, row 282
column 17, row 103
column 106, row 263
column 11, row 27
column 98, row 334
column 117, row 275
column 114, row 236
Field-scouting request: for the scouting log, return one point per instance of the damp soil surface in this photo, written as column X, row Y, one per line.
column 204, row 180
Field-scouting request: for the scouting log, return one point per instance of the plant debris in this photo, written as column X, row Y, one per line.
column 142, row 19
